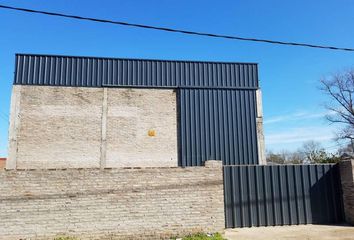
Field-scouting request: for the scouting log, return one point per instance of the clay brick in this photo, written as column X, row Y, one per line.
column 145, row 203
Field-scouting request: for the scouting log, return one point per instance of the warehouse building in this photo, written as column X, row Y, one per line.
column 89, row 112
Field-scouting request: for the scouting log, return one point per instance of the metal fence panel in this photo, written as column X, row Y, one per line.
column 282, row 195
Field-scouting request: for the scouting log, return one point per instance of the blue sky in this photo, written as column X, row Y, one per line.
column 289, row 76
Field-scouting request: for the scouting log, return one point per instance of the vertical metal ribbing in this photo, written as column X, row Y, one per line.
column 282, row 195
column 243, row 198
column 36, row 70
column 313, row 192
column 221, row 117
column 157, row 72
column 243, row 120
column 194, row 128
column 249, row 203
column 334, row 214
column 307, row 181
column 259, row 195
column 18, row 69
column 216, row 126
column 229, row 130
column 274, row 194
column 182, row 121
column 326, row 180
column 206, row 124
column 297, row 181
column 236, row 197
column 30, row 68
column 302, row 199
column 66, row 79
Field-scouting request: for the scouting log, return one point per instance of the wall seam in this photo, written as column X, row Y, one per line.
column 260, row 132
column 14, row 124
column 104, row 129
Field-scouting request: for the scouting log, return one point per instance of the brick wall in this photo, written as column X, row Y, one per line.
column 347, row 179
column 131, row 113
column 55, row 127
column 78, row 127
column 111, row 203
column 2, row 163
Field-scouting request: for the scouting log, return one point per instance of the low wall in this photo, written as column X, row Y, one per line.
column 111, row 203
column 347, row 179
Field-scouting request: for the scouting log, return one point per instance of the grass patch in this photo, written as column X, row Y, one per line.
column 197, row 236
column 65, row 238
column 204, row 236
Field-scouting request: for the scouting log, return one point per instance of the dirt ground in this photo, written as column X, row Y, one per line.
column 322, row 232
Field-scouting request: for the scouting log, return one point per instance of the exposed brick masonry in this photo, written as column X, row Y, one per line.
column 78, row 127
column 111, row 203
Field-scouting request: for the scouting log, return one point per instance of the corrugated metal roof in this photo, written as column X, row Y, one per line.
column 96, row 72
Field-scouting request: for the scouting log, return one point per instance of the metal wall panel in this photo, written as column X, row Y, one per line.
column 282, row 195
column 97, row 72
column 217, row 124
column 216, row 105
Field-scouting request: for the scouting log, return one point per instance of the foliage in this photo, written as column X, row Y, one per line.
column 327, row 158
column 311, row 152
column 314, row 153
column 275, row 158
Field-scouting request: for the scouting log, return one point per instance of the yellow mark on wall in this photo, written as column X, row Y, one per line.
column 151, row 133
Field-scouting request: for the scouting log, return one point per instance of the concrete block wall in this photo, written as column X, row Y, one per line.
column 347, row 179
column 135, row 203
column 77, row 127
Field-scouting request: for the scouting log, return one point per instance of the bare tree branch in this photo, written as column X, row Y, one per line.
column 340, row 89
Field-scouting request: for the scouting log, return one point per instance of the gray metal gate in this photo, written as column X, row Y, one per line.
column 282, row 195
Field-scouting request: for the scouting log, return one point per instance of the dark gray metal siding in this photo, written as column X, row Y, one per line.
column 96, row 72
column 218, row 124
column 216, row 101
column 282, row 195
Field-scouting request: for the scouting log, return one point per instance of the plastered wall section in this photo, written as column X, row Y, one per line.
column 151, row 203
column 75, row 127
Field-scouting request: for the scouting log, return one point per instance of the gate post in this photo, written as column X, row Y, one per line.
column 346, row 168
